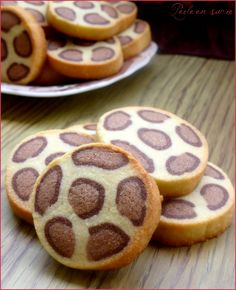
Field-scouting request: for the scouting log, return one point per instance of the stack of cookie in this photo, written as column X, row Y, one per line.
column 55, row 42
column 98, row 193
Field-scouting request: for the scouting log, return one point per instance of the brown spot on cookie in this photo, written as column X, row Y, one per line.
column 95, row 19
column 86, row 197
column 53, row 156
column 75, row 139
column 155, row 138
column 37, row 3
column 130, row 199
column 60, row 236
column 184, row 163
column 188, row 135
column 126, row 8
column 91, row 127
column 100, row 157
column 117, row 121
column 22, row 44
column 37, row 15
column 29, row 149
column 84, row 4
column 4, row 51
column 23, row 182
column 110, row 11
column 212, row 172
column 140, row 26
column 9, row 20
column 152, row 116
column 56, row 42
column 124, row 39
column 110, row 40
column 66, row 13
column 105, row 241
column 178, row 209
column 72, row 55
column 102, row 53
column 48, row 189
column 17, row 72
column 215, row 195
column 139, row 155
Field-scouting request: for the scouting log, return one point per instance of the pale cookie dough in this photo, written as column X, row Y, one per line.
column 203, row 214
column 23, row 46
column 92, row 20
column 171, row 150
column 135, row 39
column 37, row 8
column 85, row 59
column 95, row 208
column 29, row 158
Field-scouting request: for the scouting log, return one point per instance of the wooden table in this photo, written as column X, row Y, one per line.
column 197, row 89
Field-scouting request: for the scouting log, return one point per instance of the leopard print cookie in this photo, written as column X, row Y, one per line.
column 203, row 214
column 95, row 208
column 29, row 159
column 23, row 46
column 82, row 59
column 135, row 39
column 89, row 128
column 170, row 149
column 91, row 20
column 37, row 8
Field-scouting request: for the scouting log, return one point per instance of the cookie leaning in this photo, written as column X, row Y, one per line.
column 127, row 13
column 92, row 20
column 135, row 39
column 23, row 45
column 203, row 214
column 101, row 208
column 37, row 8
column 171, row 150
column 85, row 59
column 29, row 158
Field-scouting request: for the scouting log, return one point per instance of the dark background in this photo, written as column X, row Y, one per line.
column 201, row 35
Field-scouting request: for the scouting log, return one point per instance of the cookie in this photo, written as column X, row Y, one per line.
column 82, row 59
column 29, row 159
column 23, row 46
column 135, row 39
column 127, row 12
column 203, row 214
column 101, row 208
column 89, row 128
column 170, row 149
column 91, row 20
column 37, row 8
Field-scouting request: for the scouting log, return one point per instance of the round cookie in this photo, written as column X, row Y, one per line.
column 23, row 46
column 89, row 128
column 203, row 214
column 91, row 20
column 127, row 13
column 85, row 59
column 171, row 150
column 101, row 208
column 135, row 39
column 29, row 158
column 37, row 8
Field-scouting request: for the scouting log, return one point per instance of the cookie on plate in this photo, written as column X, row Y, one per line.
column 203, row 214
column 82, row 59
column 37, row 8
column 23, row 46
column 29, row 158
column 91, row 20
column 135, row 39
column 127, row 12
column 88, row 128
column 101, row 208
column 171, row 150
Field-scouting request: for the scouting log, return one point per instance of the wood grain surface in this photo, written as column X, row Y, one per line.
column 197, row 89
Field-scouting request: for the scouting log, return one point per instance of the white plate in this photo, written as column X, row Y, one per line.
column 130, row 67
